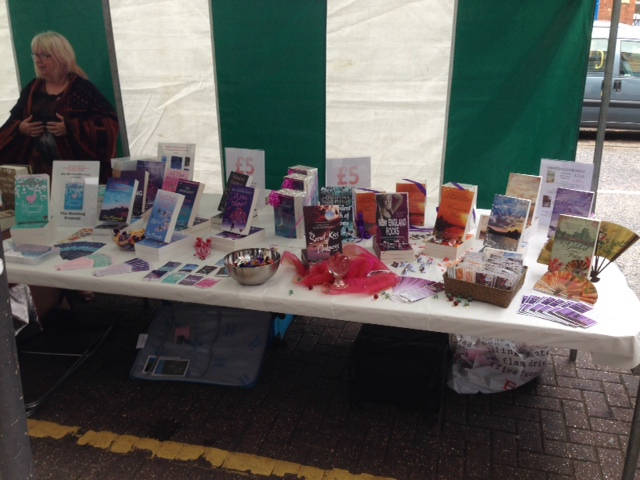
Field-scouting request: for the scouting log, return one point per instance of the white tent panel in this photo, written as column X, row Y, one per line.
column 8, row 79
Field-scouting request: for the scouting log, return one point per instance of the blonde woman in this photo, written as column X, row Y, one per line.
column 60, row 114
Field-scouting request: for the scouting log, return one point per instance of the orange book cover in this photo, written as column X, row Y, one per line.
column 366, row 211
column 453, row 213
column 417, row 200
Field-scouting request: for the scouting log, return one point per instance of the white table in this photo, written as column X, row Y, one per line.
column 614, row 341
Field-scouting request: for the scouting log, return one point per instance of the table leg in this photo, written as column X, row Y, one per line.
column 633, row 446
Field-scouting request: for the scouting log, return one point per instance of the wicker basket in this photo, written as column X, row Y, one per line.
column 495, row 296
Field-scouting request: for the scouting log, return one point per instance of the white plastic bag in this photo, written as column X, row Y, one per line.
column 490, row 365
column 23, row 309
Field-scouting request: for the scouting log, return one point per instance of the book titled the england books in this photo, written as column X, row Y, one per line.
column 164, row 214
column 322, row 227
column 117, row 206
column 238, row 213
column 234, row 178
column 391, row 242
column 569, row 202
column 288, row 213
column 507, row 222
column 228, row 241
column 343, row 198
column 32, row 223
column 192, row 192
column 525, row 186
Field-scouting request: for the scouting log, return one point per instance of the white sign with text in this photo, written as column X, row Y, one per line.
column 348, row 172
column 247, row 161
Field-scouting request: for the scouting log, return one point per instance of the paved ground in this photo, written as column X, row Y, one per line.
column 570, row 423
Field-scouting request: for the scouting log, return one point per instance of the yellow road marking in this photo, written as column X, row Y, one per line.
column 217, row 458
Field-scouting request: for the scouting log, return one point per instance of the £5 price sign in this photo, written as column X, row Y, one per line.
column 348, row 172
column 247, row 161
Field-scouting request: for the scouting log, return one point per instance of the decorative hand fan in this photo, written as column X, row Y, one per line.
column 563, row 283
column 613, row 241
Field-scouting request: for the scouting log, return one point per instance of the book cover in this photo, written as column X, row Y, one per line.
column 74, row 192
column 569, row 202
column 8, row 175
column 453, row 213
column 311, row 172
column 417, row 200
column 192, row 192
column 322, row 228
column 574, row 244
column 32, row 200
column 525, row 186
column 560, row 173
column 171, row 178
column 507, row 221
column 234, row 178
column 299, row 182
column 392, row 216
column 164, row 215
column 288, row 215
column 365, row 212
column 156, row 170
column 142, row 176
column 238, row 212
column 178, row 156
column 343, row 198
column 119, row 196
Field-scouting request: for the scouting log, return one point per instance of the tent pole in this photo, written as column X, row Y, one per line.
column 606, row 98
column 15, row 449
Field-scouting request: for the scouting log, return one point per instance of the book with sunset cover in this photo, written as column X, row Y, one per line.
column 365, row 212
column 417, row 200
column 525, row 186
column 453, row 213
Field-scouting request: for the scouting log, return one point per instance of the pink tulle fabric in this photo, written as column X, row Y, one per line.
column 357, row 279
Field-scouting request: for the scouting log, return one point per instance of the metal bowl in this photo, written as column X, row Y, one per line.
column 239, row 265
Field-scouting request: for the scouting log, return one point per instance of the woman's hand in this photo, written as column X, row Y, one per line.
column 30, row 128
column 57, row 129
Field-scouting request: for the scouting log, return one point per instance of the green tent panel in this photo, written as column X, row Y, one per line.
column 517, row 88
column 270, row 60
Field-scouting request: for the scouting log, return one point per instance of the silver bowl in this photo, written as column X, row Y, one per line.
column 238, row 265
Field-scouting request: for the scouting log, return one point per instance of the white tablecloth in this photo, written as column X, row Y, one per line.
column 614, row 341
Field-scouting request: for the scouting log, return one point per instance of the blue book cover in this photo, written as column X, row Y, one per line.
column 238, row 212
column 164, row 214
column 32, row 200
column 156, row 169
column 118, row 200
column 73, row 196
column 192, row 192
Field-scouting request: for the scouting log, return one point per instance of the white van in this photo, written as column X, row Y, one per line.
column 624, row 109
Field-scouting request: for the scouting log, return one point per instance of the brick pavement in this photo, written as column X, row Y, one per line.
column 570, row 423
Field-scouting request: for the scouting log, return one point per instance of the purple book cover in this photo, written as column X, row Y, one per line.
column 322, row 231
column 156, row 171
column 238, row 211
column 392, row 221
column 570, row 202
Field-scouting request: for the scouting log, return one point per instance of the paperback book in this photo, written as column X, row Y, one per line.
column 311, row 172
column 322, row 228
column 365, row 212
column 171, row 178
column 525, row 186
column 156, row 170
column 456, row 205
column 392, row 215
column 417, row 200
column 32, row 200
column 343, row 198
column 8, row 175
column 155, row 250
column 233, row 241
column 234, row 178
column 164, row 215
column 288, row 214
column 119, row 195
column 300, row 182
column 238, row 213
column 574, row 244
column 192, row 192
column 507, row 222
column 74, row 192
column 570, row 202
column 142, row 176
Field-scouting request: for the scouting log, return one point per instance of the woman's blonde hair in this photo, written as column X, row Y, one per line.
column 60, row 49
